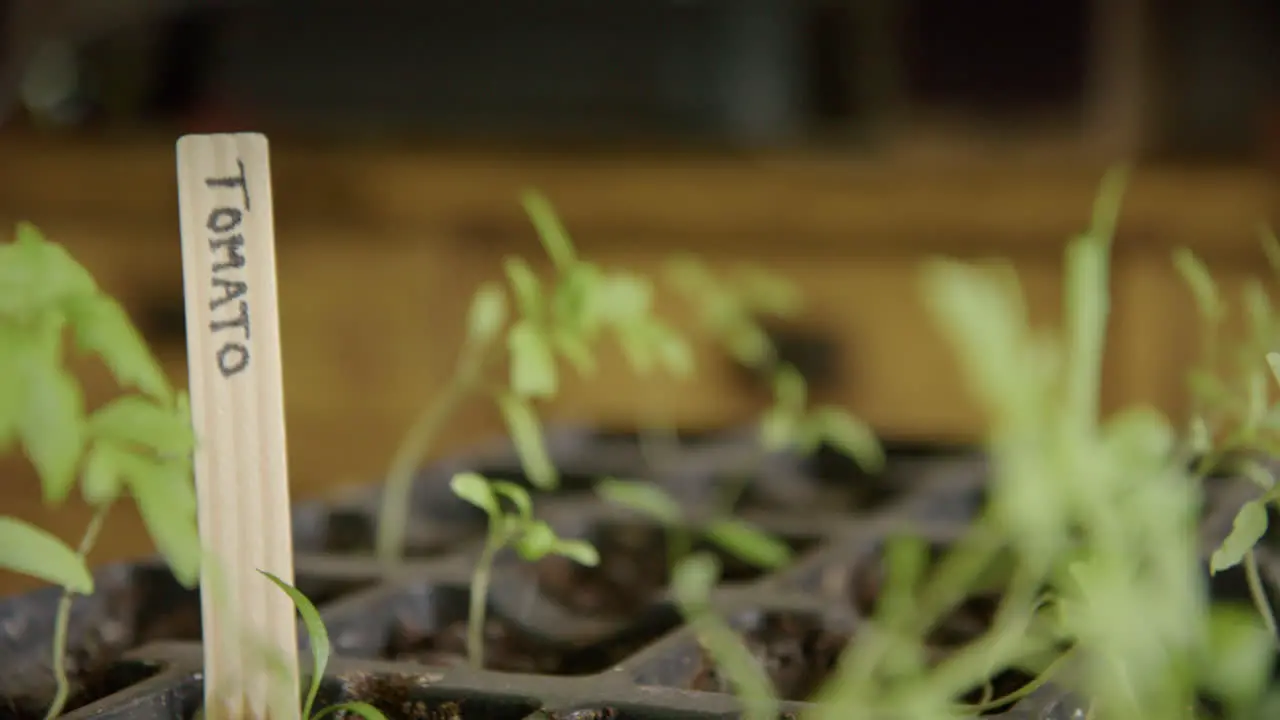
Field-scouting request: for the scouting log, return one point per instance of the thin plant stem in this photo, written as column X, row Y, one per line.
column 393, row 516
column 63, row 618
column 479, row 597
column 1258, row 593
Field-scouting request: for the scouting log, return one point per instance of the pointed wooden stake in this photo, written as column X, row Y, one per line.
column 237, row 405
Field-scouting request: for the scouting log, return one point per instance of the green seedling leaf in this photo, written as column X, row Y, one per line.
column 1203, row 288
column 850, row 436
column 488, row 313
column 1247, row 529
column 1257, row 305
column 28, row 550
column 575, row 302
column 579, row 551
column 12, row 387
column 642, row 497
column 526, row 433
column 363, row 709
column 1236, row 666
column 766, row 292
column 533, row 366
column 625, row 298
column 749, row 543
column 536, row 540
column 316, row 630
column 166, row 500
column 779, row 429
column 1087, row 307
column 475, row 489
column 102, row 327
column 673, row 351
column 102, row 479
column 134, row 420
column 527, row 287
column 748, row 344
column 550, row 231
column 517, row 495
column 574, row 348
column 51, row 275
column 789, row 391
column 1270, row 246
column 52, row 427
column 693, row 579
column 1273, row 362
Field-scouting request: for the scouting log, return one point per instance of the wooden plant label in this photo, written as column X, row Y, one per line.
column 237, row 405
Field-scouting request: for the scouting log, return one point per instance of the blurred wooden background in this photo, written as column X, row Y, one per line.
column 381, row 243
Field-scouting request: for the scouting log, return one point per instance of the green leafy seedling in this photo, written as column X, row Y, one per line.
column 692, row 582
column 561, row 320
column 733, row 535
column 532, row 538
column 138, row 444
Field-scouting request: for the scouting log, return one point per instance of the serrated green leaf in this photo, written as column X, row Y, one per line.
column 555, row 240
column 316, row 631
column 642, row 497
column 102, row 327
column 102, row 479
column 135, row 420
column 1247, row 529
column 488, row 313
column 165, row 498
column 52, row 427
column 852, row 437
column 29, row 550
column 1203, row 288
column 39, row 274
column 525, row 285
column 526, row 434
column 749, row 543
column 363, row 709
column 517, row 495
column 537, row 540
column 579, row 551
column 475, row 489
column 533, row 365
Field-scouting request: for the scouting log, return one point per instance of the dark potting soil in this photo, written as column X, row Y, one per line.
column 633, row 573
column 93, row 675
column 509, row 649
column 796, row 651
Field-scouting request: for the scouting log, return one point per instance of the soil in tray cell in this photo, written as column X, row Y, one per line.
column 633, row 572
column 508, row 648
column 92, row 676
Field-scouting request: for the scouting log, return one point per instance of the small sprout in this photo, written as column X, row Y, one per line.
column 320, row 652
column 692, row 581
column 140, row 443
column 532, row 538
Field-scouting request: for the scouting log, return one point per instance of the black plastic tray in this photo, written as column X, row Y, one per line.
column 575, row 664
